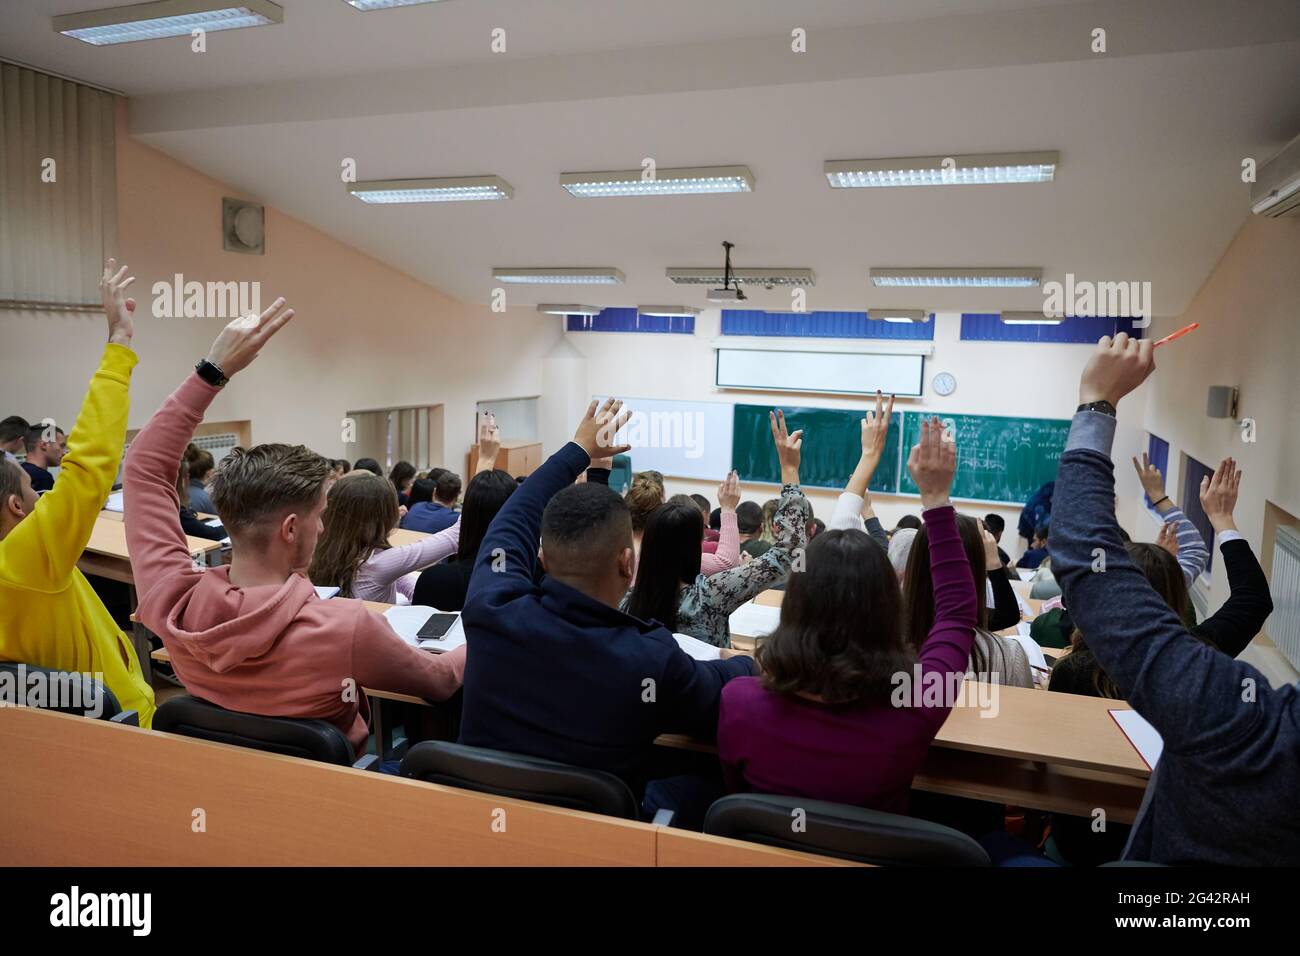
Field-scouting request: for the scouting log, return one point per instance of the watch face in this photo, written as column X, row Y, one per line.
column 944, row 383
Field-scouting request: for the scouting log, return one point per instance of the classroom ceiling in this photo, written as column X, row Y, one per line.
column 1151, row 134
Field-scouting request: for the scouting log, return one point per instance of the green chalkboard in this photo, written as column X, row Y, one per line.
column 832, row 444
column 998, row 459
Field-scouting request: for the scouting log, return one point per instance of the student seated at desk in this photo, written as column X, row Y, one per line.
column 828, row 718
column 42, row 455
column 671, row 586
column 558, row 671
column 402, row 476
column 191, row 523
column 1038, row 550
column 724, row 552
column 995, row 524
column 445, row 585
column 370, row 465
column 1224, row 789
column 997, row 660
column 440, row 513
column 353, row 553
column 749, row 523
column 49, row 614
column 252, row 635
column 13, row 435
column 200, row 463
column 643, row 497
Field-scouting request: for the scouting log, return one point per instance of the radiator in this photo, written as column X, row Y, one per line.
column 219, row 445
column 1284, row 624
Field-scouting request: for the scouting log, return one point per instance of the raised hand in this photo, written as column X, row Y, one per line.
column 932, row 464
column 1117, row 367
column 489, row 443
column 242, row 339
column 875, row 431
column 1219, row 495
column 117, row 307
column 729, row 492
column 1153, row 483
column 1167, row 538
column 992, row 560
column 788, row 447
column 598, row 427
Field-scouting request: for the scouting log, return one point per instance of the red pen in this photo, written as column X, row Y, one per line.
column 1176, row 335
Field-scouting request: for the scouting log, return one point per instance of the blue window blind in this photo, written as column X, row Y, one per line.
column 1191, row 502
column 629, row 320
column 1082, row 329
column 822, row 325
column 1158, row 455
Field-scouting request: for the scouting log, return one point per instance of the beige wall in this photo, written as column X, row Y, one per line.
column 365, row 335
column 1249, row 310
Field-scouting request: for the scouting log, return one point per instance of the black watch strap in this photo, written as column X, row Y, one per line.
column 1105, row 407
column 211, row 374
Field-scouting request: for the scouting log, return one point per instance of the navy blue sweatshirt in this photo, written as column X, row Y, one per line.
column 1224, row 791
column 554, row 673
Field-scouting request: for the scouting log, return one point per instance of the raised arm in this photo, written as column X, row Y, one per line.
column 1192, row 553
column 489, row 444
column 1196, row 697
column 154, row 536
column 932, row 464
column 385, row 567
column 1249, row 603
column 855, row 503
column 730, row 589
column 728, row 553
column 1005, row 611
column 507, row 557
column 43, row 548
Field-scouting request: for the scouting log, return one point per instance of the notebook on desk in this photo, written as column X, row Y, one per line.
column 426, row 627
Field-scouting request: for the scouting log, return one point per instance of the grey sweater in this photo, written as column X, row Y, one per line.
column 1226, row 786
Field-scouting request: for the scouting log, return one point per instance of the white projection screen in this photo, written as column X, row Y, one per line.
column 851, row 373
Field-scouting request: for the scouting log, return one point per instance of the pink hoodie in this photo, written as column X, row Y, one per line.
column 274, row 650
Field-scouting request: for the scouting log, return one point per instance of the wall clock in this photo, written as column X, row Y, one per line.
column 944, row 383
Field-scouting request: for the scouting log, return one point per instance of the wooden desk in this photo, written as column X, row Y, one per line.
column 264, row 809
column 1057, row 752
column 770, row 598
column 516, row 457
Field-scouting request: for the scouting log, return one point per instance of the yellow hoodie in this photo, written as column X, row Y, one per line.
column 49, row 614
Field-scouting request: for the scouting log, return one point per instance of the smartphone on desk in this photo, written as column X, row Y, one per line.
column 436, row 627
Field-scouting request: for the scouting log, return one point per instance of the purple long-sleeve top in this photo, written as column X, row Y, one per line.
column 863, row 754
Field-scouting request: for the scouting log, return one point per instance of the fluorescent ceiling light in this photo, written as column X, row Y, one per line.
column 557, row 276
column 976, row 170
column 666, row 182
column 462, row 189
column 570, row 309
column 1030, row 318
column 166, row 18
column 667, row 311
column 992, row 278
column 898, row 315
column 384, row 4
column 763, row 277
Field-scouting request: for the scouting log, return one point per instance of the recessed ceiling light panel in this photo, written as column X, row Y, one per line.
column 1018, row 278
column 975, row 170
column 750, row 277
column 533, row 276
column 462, row 189
column 694, row 180
column 165, row 18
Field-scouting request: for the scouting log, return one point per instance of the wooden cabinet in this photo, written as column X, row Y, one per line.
column 516, row 457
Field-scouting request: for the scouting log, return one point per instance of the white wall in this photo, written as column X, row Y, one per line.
column 993, row 378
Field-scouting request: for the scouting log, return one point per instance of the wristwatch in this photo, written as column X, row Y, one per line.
column 211, row 373
column 1105, row 407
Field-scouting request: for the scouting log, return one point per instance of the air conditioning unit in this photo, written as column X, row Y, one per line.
column 1276, row 191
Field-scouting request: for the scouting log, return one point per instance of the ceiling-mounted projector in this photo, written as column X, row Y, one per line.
column 727, row 293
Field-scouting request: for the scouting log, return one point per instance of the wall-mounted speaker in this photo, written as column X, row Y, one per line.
column 1221, row 402
column 243, row 227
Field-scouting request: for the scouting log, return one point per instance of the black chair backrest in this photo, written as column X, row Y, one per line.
column 67, row 692
column 841, row 831
column 293, row 736
column 520, row 777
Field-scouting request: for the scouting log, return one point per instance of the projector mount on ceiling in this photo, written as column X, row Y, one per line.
column 727, row 293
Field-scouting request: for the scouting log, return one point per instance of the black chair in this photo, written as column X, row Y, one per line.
column 304, row 737
column 66, row 692
column 841, row 831
column 524, row 778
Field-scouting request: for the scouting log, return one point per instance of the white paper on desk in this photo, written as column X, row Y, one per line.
column 214, row 523
column 697, row 648
column 225, row 542
column 1032, row 650
column 754, row 620
column 1026, row 573
column 407, row 619
column 1144, row 738
column 326, row 593
column 114, row 502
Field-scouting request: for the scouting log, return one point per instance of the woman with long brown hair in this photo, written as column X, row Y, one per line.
column 353, row 553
